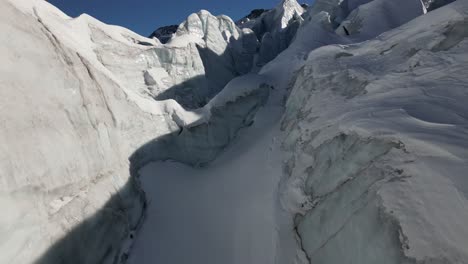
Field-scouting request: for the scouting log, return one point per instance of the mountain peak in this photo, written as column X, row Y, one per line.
column 287, row 10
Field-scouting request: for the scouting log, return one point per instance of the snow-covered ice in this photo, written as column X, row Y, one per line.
column 223, row 213
column 336, row 134
column 377, row 135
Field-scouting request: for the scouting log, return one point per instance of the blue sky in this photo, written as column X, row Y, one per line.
column 144, row 16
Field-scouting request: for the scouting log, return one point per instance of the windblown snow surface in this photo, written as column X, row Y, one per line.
column 336, row 134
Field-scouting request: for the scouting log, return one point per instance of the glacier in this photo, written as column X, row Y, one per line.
column 329, row 133
column 366, row 158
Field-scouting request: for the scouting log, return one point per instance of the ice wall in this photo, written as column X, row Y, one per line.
column 376, row 134
column 275, row 29
column 77, row 103
column 67, row 130
column 204, row 54
column 78, row 99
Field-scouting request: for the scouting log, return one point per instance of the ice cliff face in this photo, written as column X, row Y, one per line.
column 375, row 126
column 275, row 29
column 80, row 97
column 377, row 137
column 67, row 131
column 203, row 55
column 259, row 38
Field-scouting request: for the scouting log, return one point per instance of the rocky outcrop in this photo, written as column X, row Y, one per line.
column 164, row 34
column 252, row 15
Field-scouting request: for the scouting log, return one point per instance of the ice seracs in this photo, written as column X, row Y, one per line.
column 219, row 51
column 377, row 136
column 83, row 93
column 374, row 131
column 275, row 29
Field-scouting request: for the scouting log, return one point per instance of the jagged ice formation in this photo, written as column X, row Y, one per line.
column 365, row 102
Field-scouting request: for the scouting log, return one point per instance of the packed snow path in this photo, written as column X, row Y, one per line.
column 224, row 213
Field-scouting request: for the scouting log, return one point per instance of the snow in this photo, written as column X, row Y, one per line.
column 371, row 19
column 366, row 162
column 275, row 29
column 377, row 136
column 205, row 218
column 67, row 129
column 238, row 87
column 359, row 159
column 72, row 114
column 223, row 213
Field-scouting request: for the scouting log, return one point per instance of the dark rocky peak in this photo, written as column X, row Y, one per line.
column 164, row 34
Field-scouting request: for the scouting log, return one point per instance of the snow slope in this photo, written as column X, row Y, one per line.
column 223, row 213
column 377, row 136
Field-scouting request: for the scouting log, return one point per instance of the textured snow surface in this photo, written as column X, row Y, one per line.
column 67, row 129
column 371, row 19
column 366, row 162
column 378, row 140
column 224, row 213
column 76, row 103
column 275, row 29
column 202, row 218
